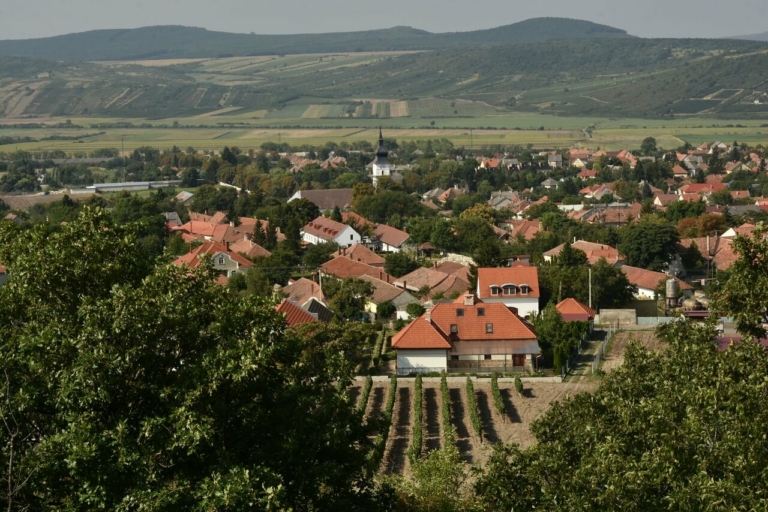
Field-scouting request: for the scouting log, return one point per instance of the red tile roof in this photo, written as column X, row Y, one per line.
column 391, row 236
column 649, row 279
column 433, row 329
column 593, row 251
column 325, row 228
column 302, row 290
column 487, row 277
column 421, row 334
column 343, row 268
column 703, row 188
column 382, row 292
column 574, row 311
column 249, row 248
column 720, row 250
column 293, row 314
column 361, row 253
column 679, row 171
column 192, row 259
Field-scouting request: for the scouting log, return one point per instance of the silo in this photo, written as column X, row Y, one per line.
column 671, row 293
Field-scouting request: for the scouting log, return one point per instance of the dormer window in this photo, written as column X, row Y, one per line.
column 488, row 328
column 454, row 329
column 480, row 311
column 459, row 312
column 524, row 289
column 495, row 290
column 510, row 289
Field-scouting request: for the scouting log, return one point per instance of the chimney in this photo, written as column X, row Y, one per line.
column 469, row 299
column 232, row 223
column 428, row 316
column 405, row 285
column 227, row 245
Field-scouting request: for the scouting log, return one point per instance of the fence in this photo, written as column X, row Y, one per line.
column 655, row 320
column 571, row 362
column 600, row 353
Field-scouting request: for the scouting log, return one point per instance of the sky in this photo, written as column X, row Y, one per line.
column 25, row 19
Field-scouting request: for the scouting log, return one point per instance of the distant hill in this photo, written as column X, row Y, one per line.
column 753, row 37
column 175, row 42
column 589, row 77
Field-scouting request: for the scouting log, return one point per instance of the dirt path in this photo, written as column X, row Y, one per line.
column 395, row 459
column 466, row 439
column 615, row 356
column 432, row 416
column 354, row 395
column 376, row 401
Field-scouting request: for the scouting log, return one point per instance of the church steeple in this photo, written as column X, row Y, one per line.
column 380, row 166
column 381, row 151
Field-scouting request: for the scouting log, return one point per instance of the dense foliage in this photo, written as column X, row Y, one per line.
column 128, row 386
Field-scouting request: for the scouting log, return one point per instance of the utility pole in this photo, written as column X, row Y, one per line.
column 471, row 137
column 590, row 287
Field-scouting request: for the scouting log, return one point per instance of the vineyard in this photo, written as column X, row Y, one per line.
column 424, row 414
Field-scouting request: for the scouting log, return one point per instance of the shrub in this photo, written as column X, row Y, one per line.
column 414, row 452
column 376, row 354
column 474, row 411
column 519, row 386
column 380, row 443
column 365, row 394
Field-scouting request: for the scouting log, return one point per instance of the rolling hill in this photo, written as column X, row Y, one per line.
column 175, row 42
column 590, row 77
column 754, row 37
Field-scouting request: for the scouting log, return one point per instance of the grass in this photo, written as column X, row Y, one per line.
column 536, row 129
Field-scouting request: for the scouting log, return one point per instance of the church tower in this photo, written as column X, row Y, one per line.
column 381, row 165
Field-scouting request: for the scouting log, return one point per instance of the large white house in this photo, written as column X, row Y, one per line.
column 381, row 166
column 323, row 230
column 516, row 287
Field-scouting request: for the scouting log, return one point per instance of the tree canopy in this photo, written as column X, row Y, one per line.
column 129, row 386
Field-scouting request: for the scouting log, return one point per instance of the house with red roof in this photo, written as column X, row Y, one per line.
column 392, row 239
column 294, row 314
column 515, row 287
column 467, row 333
column 360, row 253
column 435, row 281
column 647, row 281
column 344, row 268
column 302, row 291
column 702, row 188
column 323, row 230
column 224, row 261
column 574, row 311
column 249, row 248
column 593, row 251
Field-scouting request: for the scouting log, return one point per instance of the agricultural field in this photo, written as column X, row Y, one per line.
column 614, row 357
column 511, row 427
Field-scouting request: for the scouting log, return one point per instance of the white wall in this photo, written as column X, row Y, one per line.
column 434, row 360
column 525, row 305
column 645, row 293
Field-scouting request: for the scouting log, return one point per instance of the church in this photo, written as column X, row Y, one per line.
column 381, row 166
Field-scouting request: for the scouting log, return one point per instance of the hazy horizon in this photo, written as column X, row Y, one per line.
column 29, row 19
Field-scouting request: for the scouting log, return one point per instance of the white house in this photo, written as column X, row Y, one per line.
column 648, row 281
column 392, row 239
column 516, row 287
column 323, row 230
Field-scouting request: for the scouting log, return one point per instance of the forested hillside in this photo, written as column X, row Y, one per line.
column 173, row 42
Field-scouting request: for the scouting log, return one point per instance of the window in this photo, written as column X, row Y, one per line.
column 454, row 328
column 510, row 289
column 487, row 357
column 524, row 289
column 459, row 312
column 454, row 358
column 480, row 311
column 494, row 290
column 489, row 328
column 221, row 260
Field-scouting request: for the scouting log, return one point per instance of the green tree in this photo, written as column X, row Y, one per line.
column 386, row 310
column 677, row 429
column 336, row 214
column 443, row 237
column 570, row 257
column 415, row 310
column 649, row 243
column 317, row 254
column 155, row 387
column 347, row 298
column 648, row 146
column 398, row 264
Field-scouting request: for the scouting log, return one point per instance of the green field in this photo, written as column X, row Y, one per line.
column 507, row 130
